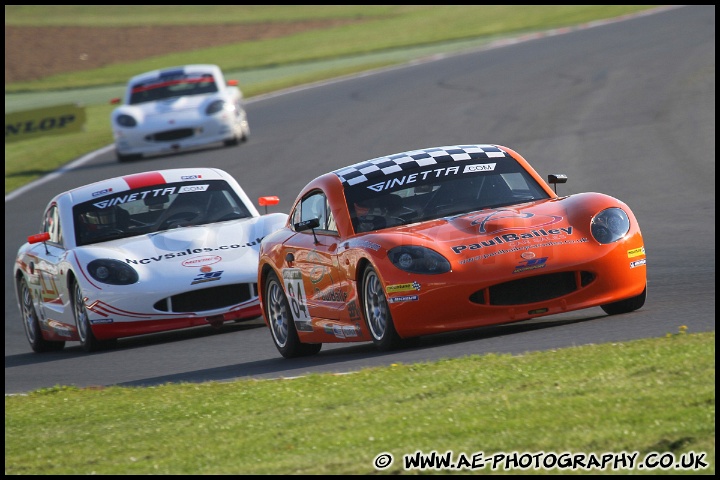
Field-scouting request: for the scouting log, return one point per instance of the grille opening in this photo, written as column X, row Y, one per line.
column 170, row 135
column 533, row 289
column 208, row 298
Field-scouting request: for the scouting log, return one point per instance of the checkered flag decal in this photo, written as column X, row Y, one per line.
column 379, row 167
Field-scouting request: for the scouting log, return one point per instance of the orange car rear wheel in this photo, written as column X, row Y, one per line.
column 281, row 322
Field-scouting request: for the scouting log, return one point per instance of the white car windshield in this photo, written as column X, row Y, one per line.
column 172, row 85
column 155, row 209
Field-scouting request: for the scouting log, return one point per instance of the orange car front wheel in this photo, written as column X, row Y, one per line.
column 377, row 312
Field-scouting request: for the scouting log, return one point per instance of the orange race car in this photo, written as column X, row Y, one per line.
column 442, row 239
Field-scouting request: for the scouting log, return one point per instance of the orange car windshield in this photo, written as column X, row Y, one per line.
column 410, row 196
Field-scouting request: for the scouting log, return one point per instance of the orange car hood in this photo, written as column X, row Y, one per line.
column 526, row 225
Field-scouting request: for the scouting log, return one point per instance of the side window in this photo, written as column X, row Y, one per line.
column 51, row 224
column 330, row 225
column 315, row 205
column 295, row 214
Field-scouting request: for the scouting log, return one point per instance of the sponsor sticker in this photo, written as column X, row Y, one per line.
column 636, row 252
column 638, row 263
column 104, row 191
column 201, row 260
column 39, row 122
column 403, row 298
column 403, row 287
column 349, row 331
column 204, row 277
column 532, row 264
column 481, row 167
column 99, row 321
column 193, row 188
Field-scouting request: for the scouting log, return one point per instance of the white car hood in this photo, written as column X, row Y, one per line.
column 183, row 252
column 177, row 107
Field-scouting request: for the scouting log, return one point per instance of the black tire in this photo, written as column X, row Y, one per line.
column 127, row 158
column 377, row 312
column 626, row 306
column 231, row 142
column 32, row 324
column 280, row 320
column 87, row 339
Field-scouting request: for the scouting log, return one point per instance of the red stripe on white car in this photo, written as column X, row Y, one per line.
column 147, row 179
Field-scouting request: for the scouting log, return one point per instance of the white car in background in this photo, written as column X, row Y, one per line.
column 178, row 108
column 142, row 253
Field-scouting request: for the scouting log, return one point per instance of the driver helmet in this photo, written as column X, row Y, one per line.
column 105, row 218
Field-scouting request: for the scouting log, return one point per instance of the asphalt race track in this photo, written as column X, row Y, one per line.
column 626, row 109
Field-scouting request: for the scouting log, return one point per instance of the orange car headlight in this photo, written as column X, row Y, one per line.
column 610, row 225
column 416, row 259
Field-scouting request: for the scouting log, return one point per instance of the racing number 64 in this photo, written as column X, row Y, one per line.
column 296, row 293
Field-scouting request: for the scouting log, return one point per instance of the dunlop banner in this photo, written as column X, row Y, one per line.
column 44, row 121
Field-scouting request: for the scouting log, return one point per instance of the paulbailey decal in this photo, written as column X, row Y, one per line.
column 513, row 237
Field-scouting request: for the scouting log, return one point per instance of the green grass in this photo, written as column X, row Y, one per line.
column 382, row 28
column 653, row 395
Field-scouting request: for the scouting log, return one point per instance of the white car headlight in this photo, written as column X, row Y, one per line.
column 125, row 120
column 112, row 272
column 218, row 106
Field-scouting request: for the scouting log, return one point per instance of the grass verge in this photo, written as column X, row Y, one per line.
column 646, row 396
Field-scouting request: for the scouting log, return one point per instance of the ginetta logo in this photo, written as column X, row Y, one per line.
column 201, row 260
column 415, row 177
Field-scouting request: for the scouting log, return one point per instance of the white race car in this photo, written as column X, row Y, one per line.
column 142, row 253
column 178, row 108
